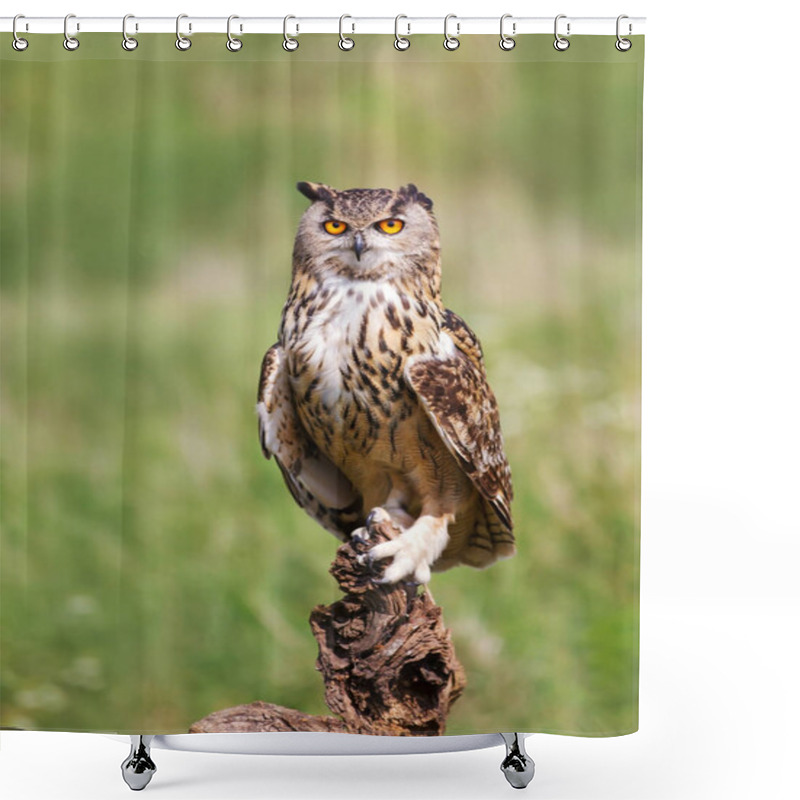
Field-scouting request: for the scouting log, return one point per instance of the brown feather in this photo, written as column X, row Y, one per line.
column 463, row 408
column 313, row 480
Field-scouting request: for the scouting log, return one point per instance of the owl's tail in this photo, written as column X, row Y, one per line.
column 488, row 540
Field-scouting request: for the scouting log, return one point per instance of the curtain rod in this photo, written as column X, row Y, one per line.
column 407, row 26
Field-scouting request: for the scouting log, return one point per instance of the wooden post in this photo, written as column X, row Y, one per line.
column 386, row 658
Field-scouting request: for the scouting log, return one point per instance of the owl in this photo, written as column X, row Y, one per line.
column 374, row 401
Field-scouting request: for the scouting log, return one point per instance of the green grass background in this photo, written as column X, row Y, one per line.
column 154, row 567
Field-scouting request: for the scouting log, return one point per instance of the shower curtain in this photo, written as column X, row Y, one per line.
column 156, row 568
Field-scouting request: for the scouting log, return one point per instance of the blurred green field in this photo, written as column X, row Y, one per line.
column 153, row 566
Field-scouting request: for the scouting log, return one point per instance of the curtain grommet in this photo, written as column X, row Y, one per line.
column 129, row 43
column 70, row 42
column 451, row 42
column 345, row 42
column 622, row 44
column 182, row 42
column 233, row 44
column 507, row 42
column 560, row 43
column 401, row 43
column 18, row 43
column 290, row 43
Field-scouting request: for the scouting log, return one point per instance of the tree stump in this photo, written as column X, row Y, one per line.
column 386, row 658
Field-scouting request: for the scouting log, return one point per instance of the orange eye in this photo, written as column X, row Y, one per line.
column 391, row 225
column 334, row 227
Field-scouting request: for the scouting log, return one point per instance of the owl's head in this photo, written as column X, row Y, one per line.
column 367, row 234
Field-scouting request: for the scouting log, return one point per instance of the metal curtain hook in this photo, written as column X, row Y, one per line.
column 70, row 42
column 623, row 45
column 451, row 42
column 18, row 43
column 290, row 43
column 345, row 42
column 506, row 42
column 128, row 42
column 560, row 43
column 233, row 44
column 400, row 42
column 181, row 42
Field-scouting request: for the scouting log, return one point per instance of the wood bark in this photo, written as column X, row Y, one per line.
column 385, row 656
column 261, row 716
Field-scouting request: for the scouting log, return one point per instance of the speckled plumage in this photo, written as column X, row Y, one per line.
column 375, row 395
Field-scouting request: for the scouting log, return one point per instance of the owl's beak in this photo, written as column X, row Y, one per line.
column 359, row 244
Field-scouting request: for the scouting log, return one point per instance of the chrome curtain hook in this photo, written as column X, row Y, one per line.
column 233, row 44
column 560, row 42
column 345, row 42
column 18, row 43
column 451, row 42
column 70, row 42
column 128, row 42
column 181, row 42
column 290, row 43
column 507, row 42
column 400, row 42
column 623, row 45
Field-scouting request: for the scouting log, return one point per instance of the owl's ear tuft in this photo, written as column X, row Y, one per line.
column 316, row 191
column 411, row 194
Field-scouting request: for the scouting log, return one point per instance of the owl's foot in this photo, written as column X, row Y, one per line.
column 414, row 551
column 376, row 517
column 380, row 526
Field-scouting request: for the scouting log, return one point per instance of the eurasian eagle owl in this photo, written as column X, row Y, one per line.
column 375, row 399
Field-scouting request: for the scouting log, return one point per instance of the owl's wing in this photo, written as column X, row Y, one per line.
column 316, row 484
column 457, row 398
column 464, row 338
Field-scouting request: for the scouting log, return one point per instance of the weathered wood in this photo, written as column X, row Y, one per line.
column 386, row 658
column 261, row 716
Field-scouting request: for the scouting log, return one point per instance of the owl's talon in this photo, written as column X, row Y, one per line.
column 366, row 561
column 377, row 516
column 360, row 535
column 411, row 583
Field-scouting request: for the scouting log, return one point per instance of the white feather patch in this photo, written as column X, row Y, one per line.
column 334, row 331
column 267, row 426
